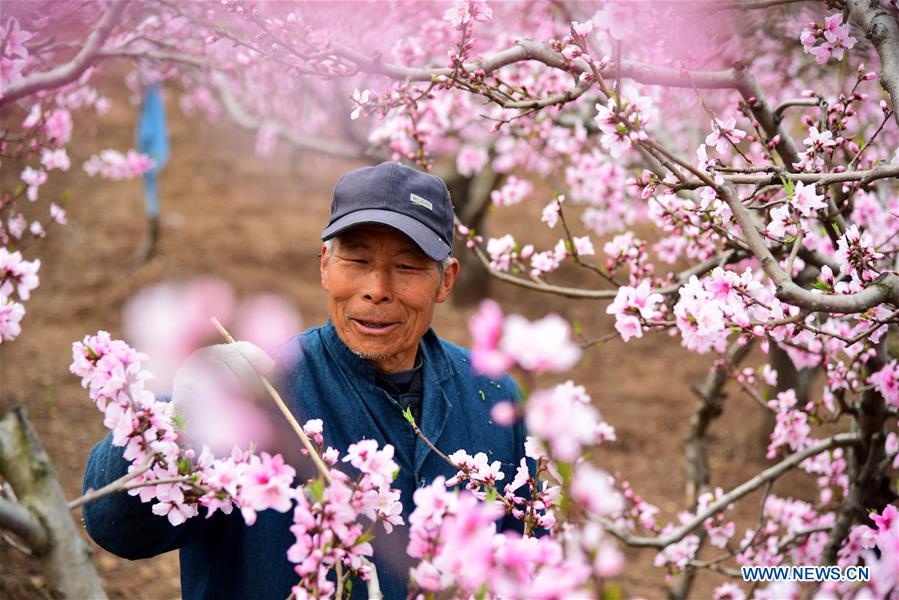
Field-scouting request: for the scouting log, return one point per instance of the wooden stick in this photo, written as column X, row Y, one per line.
column 298, row 429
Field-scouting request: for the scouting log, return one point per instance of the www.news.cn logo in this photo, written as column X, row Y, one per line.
column 805, row 573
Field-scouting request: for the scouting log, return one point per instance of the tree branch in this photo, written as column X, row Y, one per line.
column 72, row 70
column 883, row 31
column 884, row 289
column 16, row 518
column 770, row 474
column 244, row 119
column 25, row 465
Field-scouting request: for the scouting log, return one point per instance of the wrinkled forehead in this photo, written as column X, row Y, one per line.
column 378, row 238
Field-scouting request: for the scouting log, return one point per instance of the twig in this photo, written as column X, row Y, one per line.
column 297, row 428
column 112, row 487
column 769, row 474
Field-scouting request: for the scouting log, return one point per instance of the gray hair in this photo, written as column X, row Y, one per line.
column 441, row 266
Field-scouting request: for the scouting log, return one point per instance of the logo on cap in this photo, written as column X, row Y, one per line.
column 416, row 199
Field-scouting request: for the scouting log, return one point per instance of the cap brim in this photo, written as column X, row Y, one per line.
column 423, row 236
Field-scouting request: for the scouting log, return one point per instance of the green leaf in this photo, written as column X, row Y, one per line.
column 183, row 466
column 317, row 488
column 491, row 495
column 576, row 325
column 788, row 185
column 365, row 537
column 179, row 421
column 407, row 412
column 611, row 592
column 820, row 285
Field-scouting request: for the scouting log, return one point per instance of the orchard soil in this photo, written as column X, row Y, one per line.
column 254, row 222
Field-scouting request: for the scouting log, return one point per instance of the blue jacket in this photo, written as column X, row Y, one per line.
column 223, row 558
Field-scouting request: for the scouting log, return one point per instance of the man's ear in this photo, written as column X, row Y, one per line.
column 323, row 266
column 449, row 280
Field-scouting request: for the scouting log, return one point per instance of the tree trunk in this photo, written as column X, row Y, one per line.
column 25, row 465
column 471, row 199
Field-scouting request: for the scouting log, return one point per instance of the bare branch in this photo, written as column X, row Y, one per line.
column 883, row 31
column 72, row 70
column 16, row 518
column 304, row 142
column 112, row 487
column 882, row 171
column 769, row 474
column 884, row 289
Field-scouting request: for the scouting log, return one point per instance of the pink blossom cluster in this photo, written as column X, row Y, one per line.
column 856, row 253
column 628, row 251
column 620, row 125
column 692, row 229
column 724, row 134
column 633, row 307
column 114, row 375
column 454, row 536
column 512, row 192
column 325, row 519
column 112, row 164
column 500, row 342
column 566, row 420
column 17, row 276
column 833, row 35
column 14, row 56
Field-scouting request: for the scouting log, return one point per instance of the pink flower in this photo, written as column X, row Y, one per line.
column 564, row 420
column 17, row 225
column 59, row 126
column 266, row 483
column 550, row 214
column 378, row 464
column 55, row 159
column 33, row 117
column 513, row 192
column 583, row 246
column 504, row 413
column 781, row 224
column 57, row 214
column 502, row 252
column 678, row 554
column 11, row 314
column 313, row 429
column 14, row 39
column 818, row 141
column 886, row 381
column 887, row 518
column 724, row 133
column 630, row 302
column 542, row 345
column 33, row 179
column 18, row 275
column 266, row 320
column 806, row 199
column 485, row 327
column 471, row 159
column 114, row 165
column 592, row 488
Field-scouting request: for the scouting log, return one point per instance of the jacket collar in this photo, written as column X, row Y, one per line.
column 438, row 370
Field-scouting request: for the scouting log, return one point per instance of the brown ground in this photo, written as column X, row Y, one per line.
column 254, row 223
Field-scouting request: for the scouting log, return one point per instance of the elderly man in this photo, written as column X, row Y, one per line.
column 385, row 265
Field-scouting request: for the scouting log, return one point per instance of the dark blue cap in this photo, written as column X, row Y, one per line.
column 414, row 203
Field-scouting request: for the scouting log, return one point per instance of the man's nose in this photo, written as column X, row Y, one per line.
column 376, row 286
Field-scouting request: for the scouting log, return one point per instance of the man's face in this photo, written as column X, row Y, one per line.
column 382, row 290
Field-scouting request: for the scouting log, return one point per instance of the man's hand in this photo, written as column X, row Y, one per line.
column 220, row 371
